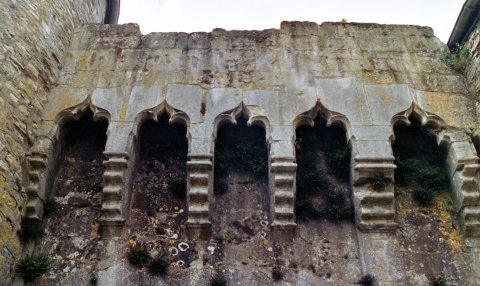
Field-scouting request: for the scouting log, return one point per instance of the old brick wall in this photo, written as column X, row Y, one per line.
column 34, row 37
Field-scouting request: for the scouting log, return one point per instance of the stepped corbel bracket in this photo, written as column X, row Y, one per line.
column 112, row 213
column 283, row 172
column 374, row 209
column 199, row 179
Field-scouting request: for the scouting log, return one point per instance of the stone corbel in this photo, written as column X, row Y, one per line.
column 464, row 168
column 199, row 184
column 283, row 174
column 374, row 209
column 38, row 160
column 112, row 213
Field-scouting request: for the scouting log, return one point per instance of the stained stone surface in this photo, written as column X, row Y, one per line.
column 34, row 37
column 364, row 77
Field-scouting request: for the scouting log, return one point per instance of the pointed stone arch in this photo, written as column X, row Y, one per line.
column 462, row 164
column 253, row 114
column 45, row 154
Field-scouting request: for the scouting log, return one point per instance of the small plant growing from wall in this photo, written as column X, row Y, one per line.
column 31, row 231
column 49, row 208
column 277, row 273
column 139, row 255
column 218, row 280
column 437, row 280
column 367, row 280
column 338, row 159
column 93, row 281
column 158, row 266
column 32, row 267
column 456, row 58
column 379, row 182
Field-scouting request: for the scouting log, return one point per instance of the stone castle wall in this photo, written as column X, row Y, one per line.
column 366, row 77
column 34, row 37
column 473, row 65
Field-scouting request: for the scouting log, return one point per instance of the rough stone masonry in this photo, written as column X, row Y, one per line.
column 365, row 78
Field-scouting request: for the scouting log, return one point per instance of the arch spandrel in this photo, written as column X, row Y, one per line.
column 187, row 98
column 62, row 98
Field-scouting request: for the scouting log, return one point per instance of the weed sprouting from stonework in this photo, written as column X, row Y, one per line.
column 339, row 160
column 31, row 231
column 277, row 273
column 158, row 266
column 139, row 255
column 367, row 280
column 218, row 280
column 378, row 182
column 49, row 207
column 456, row 58
column 436, row 280
column 32, row 267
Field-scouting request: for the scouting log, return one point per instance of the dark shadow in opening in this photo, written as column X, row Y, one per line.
column 323, row 173
column 159, row 183
column 240, row 179
column 420, row 161
column 75, row 202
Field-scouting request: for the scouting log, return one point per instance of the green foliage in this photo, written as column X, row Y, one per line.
column 338, row 208
column 219, row 237
column 427, row 179
column 228, row 237
column 456, row 58
column 178, row 187
column 139, row 255
column 158, row 266
column 31, row 231
column 309, row 181
column 277, row 273
column 367, row 280
column 218, row 280
column 338, row 159
column 437, row 280
column 378, row 182
column 32, row 267
column 49, row 208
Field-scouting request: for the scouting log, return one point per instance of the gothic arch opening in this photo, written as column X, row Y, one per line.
column 323, row 173
column 425, row 209
column 74, row 202
column 158, row 207
column 324, row 205
column 241, row 195
column 420, row 160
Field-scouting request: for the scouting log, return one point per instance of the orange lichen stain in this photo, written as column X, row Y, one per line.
column 265, row 242
column 94, row 232
column 171, row 242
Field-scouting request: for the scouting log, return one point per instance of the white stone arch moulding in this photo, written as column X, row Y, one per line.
column 333, row 118
column 435, row 122
column 253, row 114
column 43, row 156
column 176, row 116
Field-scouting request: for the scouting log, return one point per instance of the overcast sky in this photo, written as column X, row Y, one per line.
column 205, row 15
